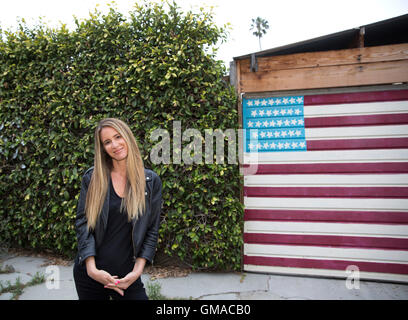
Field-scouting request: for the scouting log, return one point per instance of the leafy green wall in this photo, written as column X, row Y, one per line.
column 149, row 69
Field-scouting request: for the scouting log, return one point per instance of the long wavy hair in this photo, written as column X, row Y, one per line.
column 134, row 199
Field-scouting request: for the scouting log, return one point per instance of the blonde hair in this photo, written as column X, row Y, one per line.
column 134, row 199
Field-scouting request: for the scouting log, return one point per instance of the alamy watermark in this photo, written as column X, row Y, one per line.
column 353, row 278
column 52, row 280
column 165, row 152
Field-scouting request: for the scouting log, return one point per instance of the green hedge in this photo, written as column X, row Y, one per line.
column 149, row 69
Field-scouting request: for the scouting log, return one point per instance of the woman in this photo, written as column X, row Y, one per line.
column 117, row 217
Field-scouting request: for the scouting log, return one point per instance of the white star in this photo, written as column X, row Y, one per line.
column 299, row 99
column 272, row 123
column 261, row 113
column 284, row 134
column 251, row 146
column 298, row 133
column 294, row 145
column 250, row 124
column 300, row 122
column 293, row 122
column 273, row 145
column 277, row 134
column 278, row 101
column 287, row 145
column 255, row 134
column 269, row 134
column 297, row 111
column 258, row 124
column 269, row 113
column 275, row 112
column 287, row 122
column 271, row 102
column 285, row 100
column 290, row 111
column 264, row 102
column 302, row 145
column 291, row 133
column 265, row 123
column 283, row 112
column 279, row 122
column 259, row 146
column 266, row 145
column 292, row 100
column 280, row 145
column 257, row 102
column 253, row 113
column 263, row 134
column 250, row 103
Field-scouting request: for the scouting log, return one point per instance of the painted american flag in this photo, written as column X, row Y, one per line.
column 331, row 186
column 274, row 124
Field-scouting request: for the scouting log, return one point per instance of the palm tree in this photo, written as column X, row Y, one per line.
column 260, row 25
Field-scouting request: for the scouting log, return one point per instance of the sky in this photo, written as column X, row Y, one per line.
column 289, row 21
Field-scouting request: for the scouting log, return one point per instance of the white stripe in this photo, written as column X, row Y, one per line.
column 331, row 156
column 324, row 180
column 324, row 228
column 356, row 204
column 356, row 109
column 329, row 253
column 397, row 131
column 326, row 273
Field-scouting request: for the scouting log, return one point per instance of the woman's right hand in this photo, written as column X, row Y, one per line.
column 102, row 276
column 107, row 280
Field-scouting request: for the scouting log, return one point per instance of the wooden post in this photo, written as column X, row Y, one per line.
column 361, row 37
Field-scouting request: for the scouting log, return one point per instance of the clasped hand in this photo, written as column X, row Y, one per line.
column 113, row 282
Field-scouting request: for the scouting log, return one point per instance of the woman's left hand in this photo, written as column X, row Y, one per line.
column 125, row 282
column 131, row 277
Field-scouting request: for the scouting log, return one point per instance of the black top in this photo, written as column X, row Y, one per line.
column 115, row 255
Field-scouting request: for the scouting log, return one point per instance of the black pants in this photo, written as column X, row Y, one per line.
column 89, row 289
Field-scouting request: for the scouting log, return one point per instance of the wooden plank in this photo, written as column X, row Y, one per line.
column 238, row 75
column 327, row 192
column 361, row 37
column 307, row 252
column 327, row 168
column 344, row 156
column 321, row 180
column 342, row 273
column 386, row 268
column 328, row 58
column 326, row 77
column 358, row 120
column 357, row 97
column 395, row 131
column 356, row 144
column 327, row 240
column 334, row 216
column 343, row 204
column 321, row 228
column 348, row 109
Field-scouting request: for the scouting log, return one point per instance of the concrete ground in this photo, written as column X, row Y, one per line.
column 200, row 286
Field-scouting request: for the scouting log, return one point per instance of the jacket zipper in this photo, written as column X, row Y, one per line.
column 133, row 242
column 133, row 229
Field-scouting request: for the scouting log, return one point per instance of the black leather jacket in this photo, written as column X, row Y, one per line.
column 145, row 230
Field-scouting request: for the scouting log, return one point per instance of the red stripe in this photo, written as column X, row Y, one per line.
column 378, row 167
column 327, row 192
column 355, row 97
column 367, row 120
column 327, row 264
column 320, row 240
column 314, row 145
column 327, row 216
